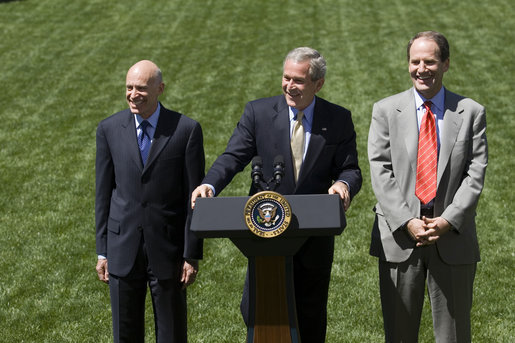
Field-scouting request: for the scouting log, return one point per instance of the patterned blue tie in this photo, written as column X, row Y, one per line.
column 144, row 140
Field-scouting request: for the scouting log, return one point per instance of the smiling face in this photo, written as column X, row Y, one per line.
column 143, row 87
column 425, row 67
column 298, row 88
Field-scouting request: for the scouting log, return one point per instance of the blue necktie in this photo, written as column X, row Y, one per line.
column 144, row 141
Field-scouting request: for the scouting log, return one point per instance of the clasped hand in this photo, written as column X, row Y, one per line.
column 427, row 231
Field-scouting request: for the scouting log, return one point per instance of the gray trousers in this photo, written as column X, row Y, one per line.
column 450, row 287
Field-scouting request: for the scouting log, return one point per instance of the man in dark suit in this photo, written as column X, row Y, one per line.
column 149, row 159
column 328, row 164
column 427, row 188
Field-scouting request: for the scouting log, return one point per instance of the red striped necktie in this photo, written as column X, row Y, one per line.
column 427, row 158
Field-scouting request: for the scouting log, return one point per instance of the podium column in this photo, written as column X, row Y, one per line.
column 272, row 300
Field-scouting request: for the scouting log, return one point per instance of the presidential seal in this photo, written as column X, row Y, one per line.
column 267, row 214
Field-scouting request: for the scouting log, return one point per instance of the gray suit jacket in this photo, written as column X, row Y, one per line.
column 462, row 161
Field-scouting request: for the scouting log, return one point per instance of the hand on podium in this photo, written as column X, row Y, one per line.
column 203, row 191
column 342, row 189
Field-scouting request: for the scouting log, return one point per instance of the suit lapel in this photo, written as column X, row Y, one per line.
column 281, row 132
column 317, row 141
column 407, row 122
column 452, row 120
column 129, row 136
column 164, row 131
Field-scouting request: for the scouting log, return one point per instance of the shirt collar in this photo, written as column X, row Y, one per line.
column 308, row 111
column 438, row 100
column 152, row 119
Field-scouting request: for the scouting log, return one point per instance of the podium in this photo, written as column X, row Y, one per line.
column 272, row 314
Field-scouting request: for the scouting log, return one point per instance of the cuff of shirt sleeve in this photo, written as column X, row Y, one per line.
column 212, row 188
column 345, row 182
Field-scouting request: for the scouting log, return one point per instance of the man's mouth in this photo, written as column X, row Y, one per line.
column 424, row 77
column 136, row 102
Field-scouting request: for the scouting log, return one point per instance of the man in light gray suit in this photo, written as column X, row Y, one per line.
column 424, row 229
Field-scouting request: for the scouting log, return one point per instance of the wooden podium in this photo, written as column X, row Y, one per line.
column 272, row 313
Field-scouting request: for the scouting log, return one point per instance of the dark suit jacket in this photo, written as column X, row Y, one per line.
column 152, row 202
column 264, row 130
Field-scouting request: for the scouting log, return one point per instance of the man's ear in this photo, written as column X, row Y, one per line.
column 319, row 84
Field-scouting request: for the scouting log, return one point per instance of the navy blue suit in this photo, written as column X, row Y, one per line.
column 264, row 130
column 143, row 212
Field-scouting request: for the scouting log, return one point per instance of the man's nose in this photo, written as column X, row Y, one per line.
column 133, row 93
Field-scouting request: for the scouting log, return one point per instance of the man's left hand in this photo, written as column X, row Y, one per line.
column 435, row 227
column 342, row 189
column 189, row 272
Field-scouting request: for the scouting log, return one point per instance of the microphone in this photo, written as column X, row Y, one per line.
column 278, row 169
column 257, row 173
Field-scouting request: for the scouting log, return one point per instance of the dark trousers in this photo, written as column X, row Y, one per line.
column 128, row 305
column 311, row 293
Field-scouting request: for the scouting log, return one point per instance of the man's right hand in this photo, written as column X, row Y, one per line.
column 417, row 230
column 203, row 191
column 415, row 227
column 103, row 274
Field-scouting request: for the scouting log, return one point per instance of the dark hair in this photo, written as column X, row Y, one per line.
column 438, row 38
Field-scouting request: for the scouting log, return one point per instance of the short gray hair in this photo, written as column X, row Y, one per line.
column 317, row 64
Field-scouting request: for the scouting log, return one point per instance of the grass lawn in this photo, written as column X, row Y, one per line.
column 63, row 66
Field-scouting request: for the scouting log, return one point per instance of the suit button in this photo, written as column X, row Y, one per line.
column 140, row 228
column 144, row 204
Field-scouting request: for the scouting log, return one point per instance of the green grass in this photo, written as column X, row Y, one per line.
column 63, row 66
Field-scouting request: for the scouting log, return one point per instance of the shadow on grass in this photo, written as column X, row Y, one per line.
column 2, row 1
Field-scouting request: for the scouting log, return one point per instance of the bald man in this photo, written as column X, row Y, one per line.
column 149, row 160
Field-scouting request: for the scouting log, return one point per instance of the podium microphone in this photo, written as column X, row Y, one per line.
column 257, row 173
column 278, row 170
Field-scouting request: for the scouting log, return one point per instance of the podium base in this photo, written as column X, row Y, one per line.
column 272, row 313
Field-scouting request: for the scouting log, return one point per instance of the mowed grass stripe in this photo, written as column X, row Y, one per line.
column 63, row 68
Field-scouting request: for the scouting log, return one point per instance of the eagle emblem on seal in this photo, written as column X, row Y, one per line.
column 267, row 214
